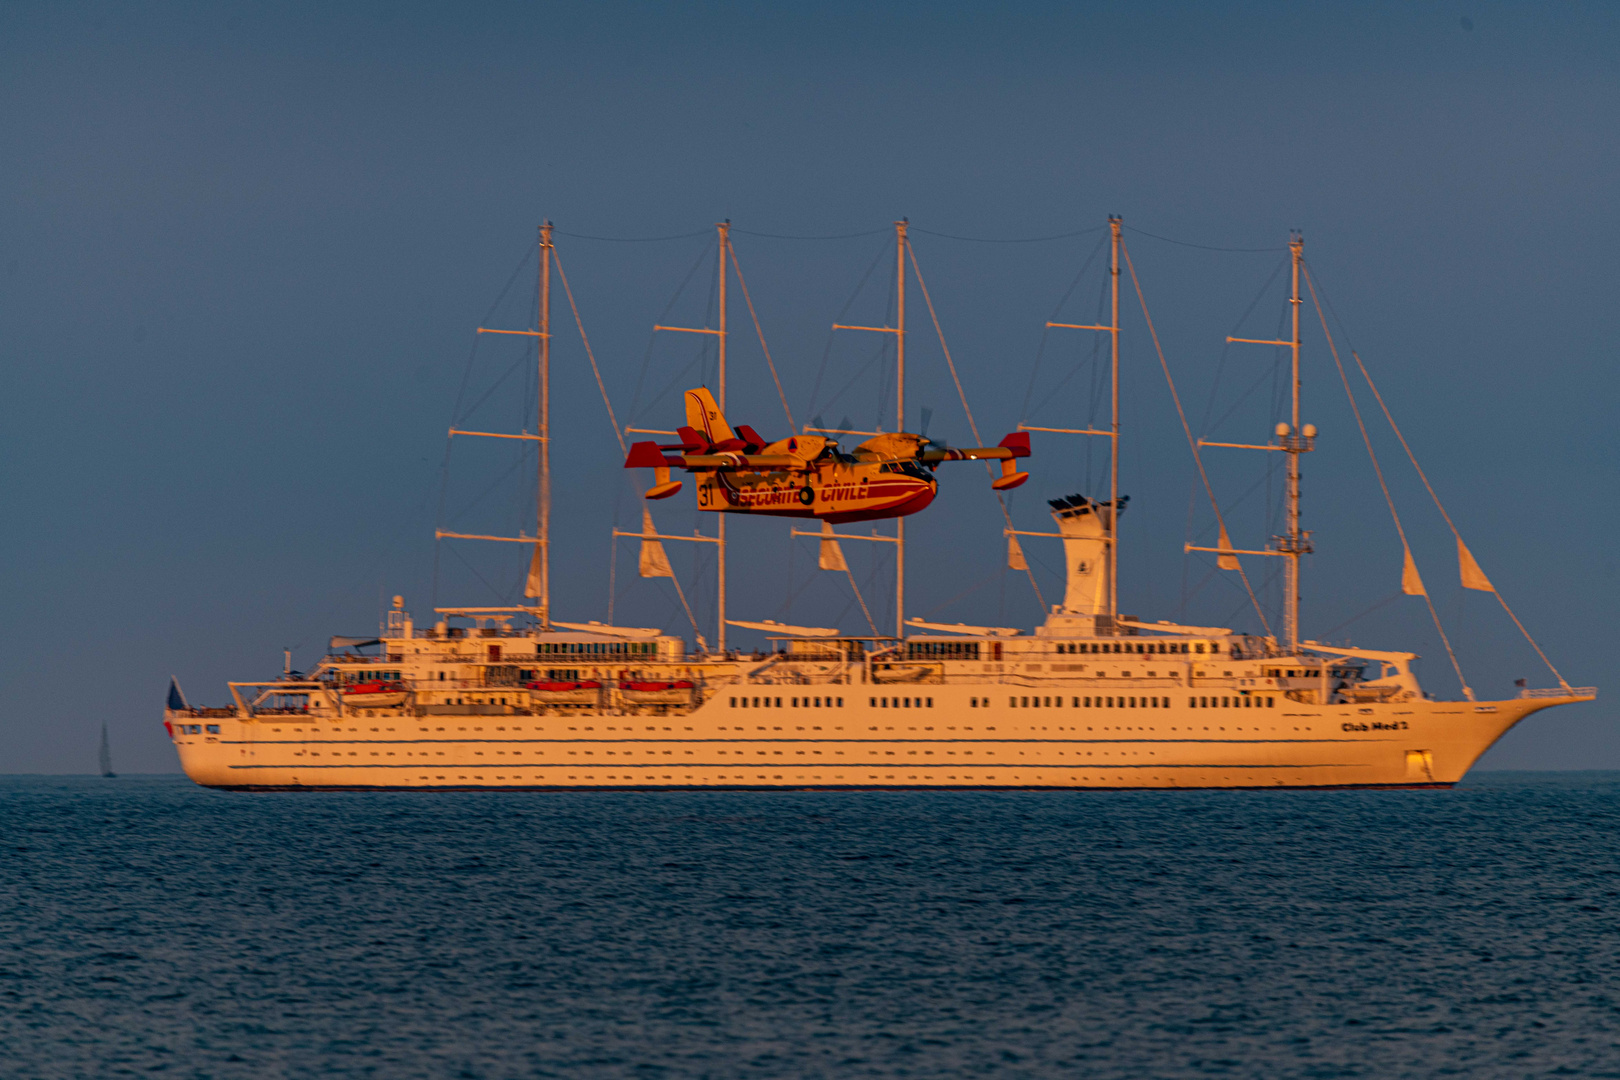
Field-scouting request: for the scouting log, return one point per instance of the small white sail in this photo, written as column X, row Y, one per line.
column 1015, row 554
column 531, row 587
column 1226, row 560
column 832, row 556
column 1472, row 576
column 1411, row 583
column 654, row 563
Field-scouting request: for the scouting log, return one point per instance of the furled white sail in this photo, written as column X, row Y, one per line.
column 1015, row 554
column 1226, row 559
column 654, row 562
column 771, row 626
column 1472, row 576
column 532, row 586
column 1411, row 583
column 832, row 556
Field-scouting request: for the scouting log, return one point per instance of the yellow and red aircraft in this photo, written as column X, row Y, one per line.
column 808, row 476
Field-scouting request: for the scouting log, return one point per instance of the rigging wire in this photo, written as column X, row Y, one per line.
column 1198, row 458
column 815, row 391
column 1202, row 247
column 838, row 236
column 589, row 352
column 777, row 379
column 1406, row 548
column 1437, row 504
column 1204, row 425
column 1046, row 332
column 652, row 336
column 961, row 394
column 633, row 239
column 1385, row 602
column 455, row 410
column 1011, row 240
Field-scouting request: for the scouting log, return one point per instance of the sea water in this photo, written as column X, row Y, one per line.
column 149, row 927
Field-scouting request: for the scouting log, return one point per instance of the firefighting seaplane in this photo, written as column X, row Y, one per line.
column 808, row 476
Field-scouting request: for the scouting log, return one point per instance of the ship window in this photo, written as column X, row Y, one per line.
column 930, row 703
column 1012, row 703
column 213, row 729
column 1271, row 703
column 733, row 703
column 1026, row 703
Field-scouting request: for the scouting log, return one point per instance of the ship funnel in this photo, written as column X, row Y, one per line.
column 1084, row 525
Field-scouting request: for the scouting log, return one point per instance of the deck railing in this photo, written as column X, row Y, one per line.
column 1560, row 691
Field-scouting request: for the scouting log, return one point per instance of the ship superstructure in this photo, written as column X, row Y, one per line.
column 508, row 697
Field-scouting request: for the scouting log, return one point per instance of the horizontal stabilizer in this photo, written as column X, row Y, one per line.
column 753, row 441
column 646, row 455
column 1018, row 443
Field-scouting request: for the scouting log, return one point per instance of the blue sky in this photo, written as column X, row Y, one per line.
column 243, row 248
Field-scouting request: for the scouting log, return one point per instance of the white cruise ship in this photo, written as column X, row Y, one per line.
column 507, row 697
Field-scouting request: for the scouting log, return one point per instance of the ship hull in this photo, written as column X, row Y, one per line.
column 933, row 737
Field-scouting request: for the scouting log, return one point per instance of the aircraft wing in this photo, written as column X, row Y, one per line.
column 738, row 461
column 648, row 455
column 1015, row 445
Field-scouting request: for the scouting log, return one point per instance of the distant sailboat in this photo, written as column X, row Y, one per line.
column 106, row 754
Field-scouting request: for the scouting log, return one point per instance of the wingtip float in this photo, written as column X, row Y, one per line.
column 808, row 476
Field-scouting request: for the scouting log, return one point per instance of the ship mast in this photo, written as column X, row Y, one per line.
column 1292, row 439
column 1296, row 542
column 1110, row 520
column 543, row 500
column 1113, row 452
column 900, row 417
column 723, row 228
column 538, row 586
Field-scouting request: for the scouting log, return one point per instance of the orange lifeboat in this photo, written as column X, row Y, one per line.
column 376, row 694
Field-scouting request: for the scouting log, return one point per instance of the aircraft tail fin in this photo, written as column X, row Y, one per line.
column 703, row 413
